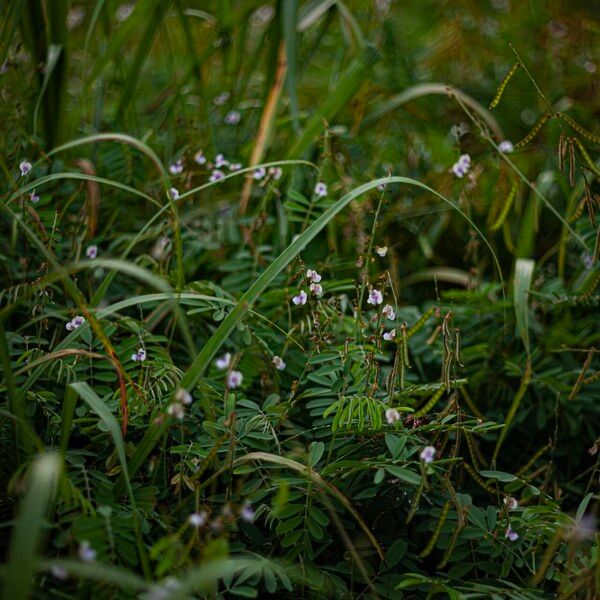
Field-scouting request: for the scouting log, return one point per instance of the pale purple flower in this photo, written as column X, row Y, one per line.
column 216, row 175
column 25, row 167
column 34, row 197
column 388, row 312
column 233, row 117
column 223, row 362
column 235, row 166
column 174, row 193
column 427, row 454
column 176, row 410
column 221, row 98
column 584, row 528
column 220, row 161
column 510, row 502
column 199, row 158
column 512, row 535
column 158, row 250
column 321, row 189
column 388, row 336
column 139, row 356
column 176, row 167
column 461, row 167
column 247, row 513
column 86, row 552
column 278, row 363
column 91, row 251
column 74, row 323
column 375, row 297
column 300, row 299
column 197, row 519
column 316, row 289
column 506, row 146
column 275, row 172
column 381, row 250
column 313, row 276
column 259, row 173
column 183, row 396
column 392, row 416
column 234, row 379
column 381, row 187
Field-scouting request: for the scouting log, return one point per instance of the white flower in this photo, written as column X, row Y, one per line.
column 75, row 322
column 511, row 502
column 233, row 117
column 199, row 158
column 275, row 172
column 158, row 250
column 139, row 356
column 235, row 166
column 392, row 416
column 223, row 362
column 176, row 410
column 176, row 167
column 321, row 189
column 381, row 250
column 34, row 197
column 91, row 252
column 174, row 193
column 216, row 175
column 388, row 336
column 506, row 146
column 86, row 552
column 221, row 98
column 300, row 299
column 259, row 173
column 278, row 362
column 197, row 519
column 427, row 454
column 25, row 167
column 183, row 396
column 247, row 513
column 313, row 276
column 375, row 297
column 316, row 289
column 220, row 161
column 234, row 379
column 388, row 312
column 124, row 11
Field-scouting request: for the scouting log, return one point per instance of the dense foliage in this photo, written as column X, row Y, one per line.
column 299, row 299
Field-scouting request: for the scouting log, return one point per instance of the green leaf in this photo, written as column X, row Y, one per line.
column 315, row 453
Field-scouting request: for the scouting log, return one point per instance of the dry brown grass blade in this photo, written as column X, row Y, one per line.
column 265, row 128
column 93, row 196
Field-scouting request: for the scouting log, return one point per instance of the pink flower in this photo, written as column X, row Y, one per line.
column 197, row 519
column 74, row 323
column 313, row 276
column 91, row 252
column 199, row 158
column 233, row 117
column 316, row 289
column 220, row 161
column 216, row 175
column 388, row 336
column 506, row 146
column 388, row 312
column 86, row 553
column 176, row 410
column 223, row 362
column 176, row 167
column 25, row 167
column 381, row 250
column 139, row 356
column 183, row 396
column 278, row 363
column 511, row 534
column 34, row 197
column 259, row 173
column 275, row 173
column 247, row 513
column 174, row 193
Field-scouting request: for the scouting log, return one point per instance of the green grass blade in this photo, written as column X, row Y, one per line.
column 522, row 283
column 289, row 10
column 28, row 530
column 349, row 83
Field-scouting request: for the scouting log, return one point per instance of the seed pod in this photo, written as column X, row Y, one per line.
column 503, row 84
column 534, row 130
column 438, row 529
column 578, row 128
column 430, row 403
column 590, row 163
column 514, row 188
column 420, row 322
column 471, row 471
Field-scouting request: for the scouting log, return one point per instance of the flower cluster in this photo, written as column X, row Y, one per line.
column 313, row 279
column 462, row 166
column 74, row 323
